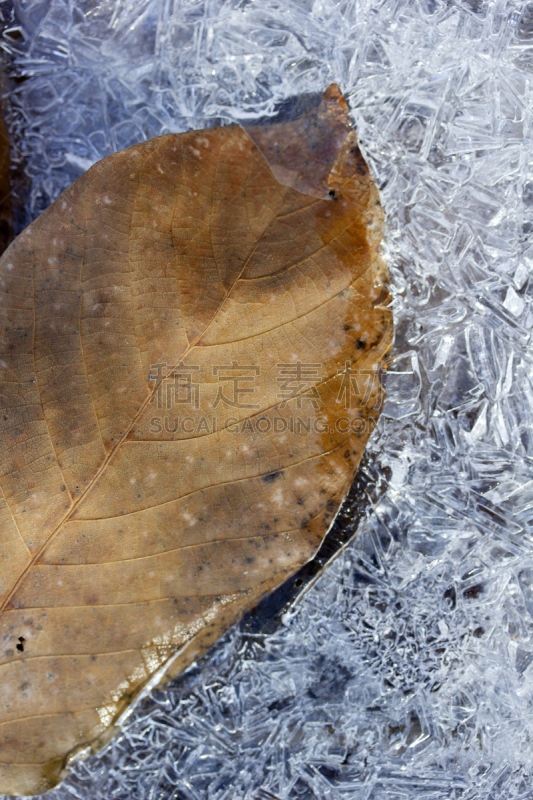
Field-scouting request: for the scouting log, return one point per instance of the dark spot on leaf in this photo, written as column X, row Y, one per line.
column 273, row 476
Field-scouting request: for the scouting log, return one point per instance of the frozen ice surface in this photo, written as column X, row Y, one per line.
column 407, row 670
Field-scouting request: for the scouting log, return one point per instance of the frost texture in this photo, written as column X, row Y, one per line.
column 407, row 670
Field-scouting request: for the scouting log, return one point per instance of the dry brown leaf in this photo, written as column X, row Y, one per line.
column 190, row 337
